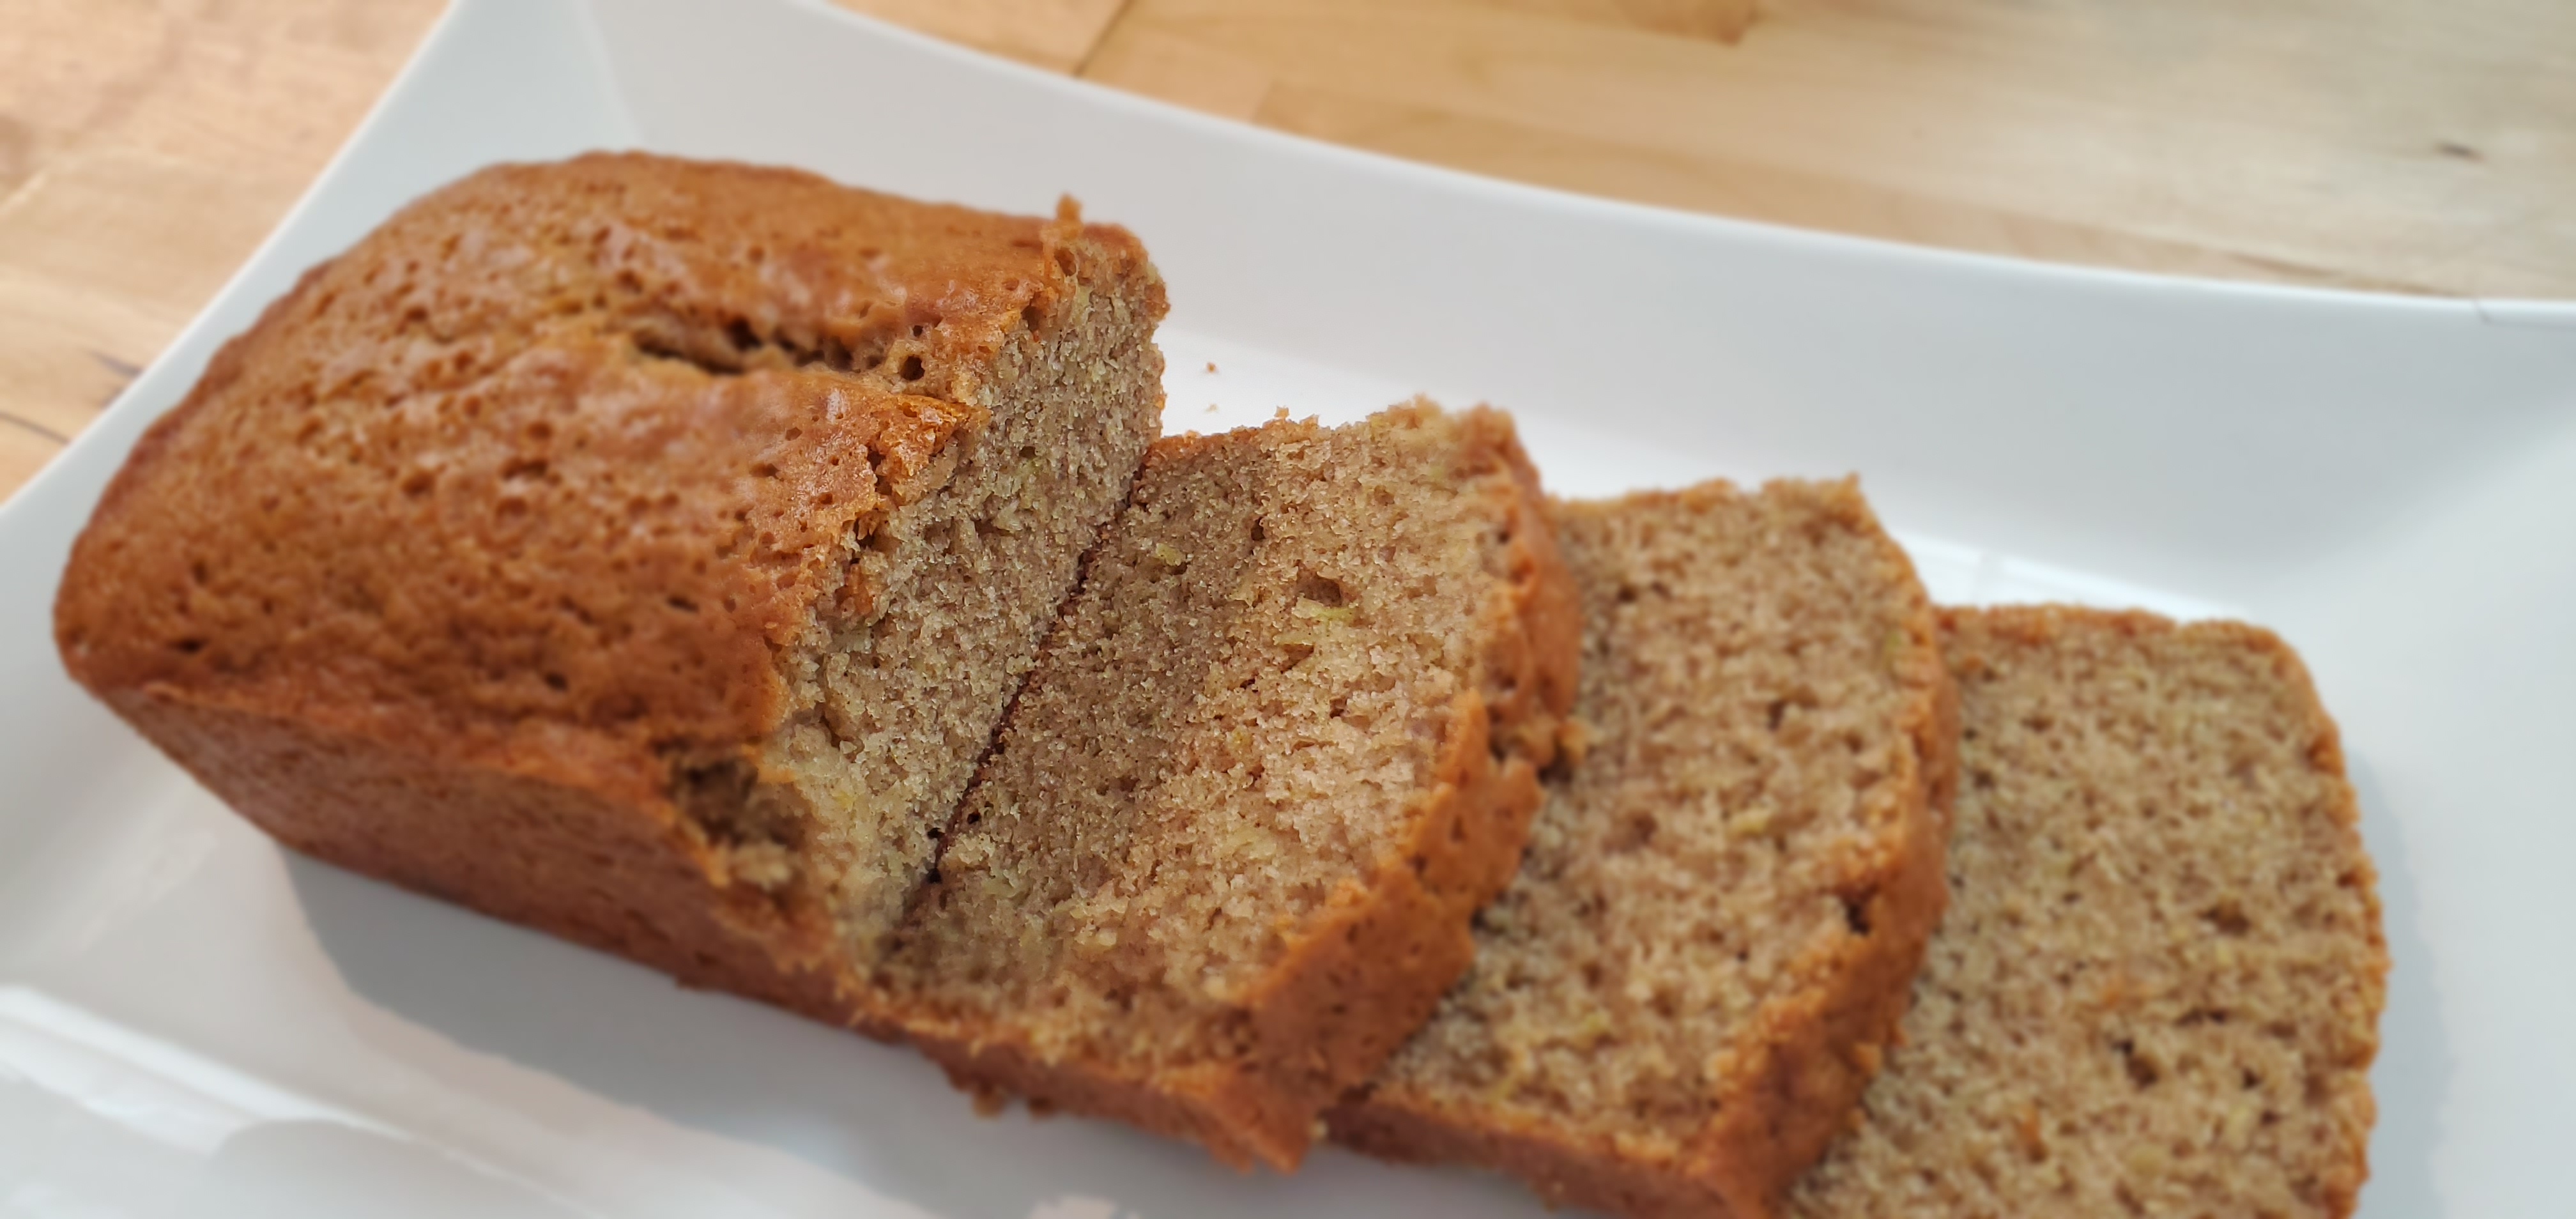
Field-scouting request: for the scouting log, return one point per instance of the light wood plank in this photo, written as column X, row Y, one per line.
column 1053, row 34
column 1187, row 73
column 1751, row 190
column 2372, row 142
column 145, row 149
column 146, row 145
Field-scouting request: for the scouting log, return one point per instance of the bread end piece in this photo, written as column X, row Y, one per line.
column 505, row 555
column 2159, row 986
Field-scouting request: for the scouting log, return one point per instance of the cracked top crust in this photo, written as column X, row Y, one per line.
column 543, row 472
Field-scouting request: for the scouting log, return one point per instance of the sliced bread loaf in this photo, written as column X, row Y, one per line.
column 637, row 548
column 2158, row 986
column 1677, row 1002
column 1282, row 744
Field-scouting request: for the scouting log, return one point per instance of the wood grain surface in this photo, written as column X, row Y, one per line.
column 2402, row 145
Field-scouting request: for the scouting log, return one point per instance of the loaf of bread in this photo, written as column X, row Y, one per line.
column 780, row 584
column 1284, row 742
column 2158, row 987
column 1676, row 1004
column 639, row 549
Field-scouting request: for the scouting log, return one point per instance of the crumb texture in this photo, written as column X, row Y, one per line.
column 1737, row 862
column 2158, row 985
column 726, row 495
column 897, row 685
column 1242, row 724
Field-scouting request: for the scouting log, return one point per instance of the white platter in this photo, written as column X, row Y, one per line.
column 192, row 1023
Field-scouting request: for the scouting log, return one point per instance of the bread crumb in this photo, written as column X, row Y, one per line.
column 1744, row 758
column 1242, row 712
column 2132, row 778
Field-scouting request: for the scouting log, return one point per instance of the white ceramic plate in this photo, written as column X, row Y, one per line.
column 191, row 1022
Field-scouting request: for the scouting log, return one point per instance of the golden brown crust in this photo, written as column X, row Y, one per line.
column 1354, row 983
column 477, row 472
column 508, row 510
column 584, row 856
column 1809, row 1052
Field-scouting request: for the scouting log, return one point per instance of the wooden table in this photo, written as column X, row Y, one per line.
column 2408, row 145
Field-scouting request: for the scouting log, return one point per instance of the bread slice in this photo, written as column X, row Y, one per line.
column 1283, row 743
column 636, row 548
column 1675, row 1005
column 2158, row 987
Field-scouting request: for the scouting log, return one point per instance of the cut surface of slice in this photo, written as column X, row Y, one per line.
column 1282, row 744
column 1676, row 1003
column 638, row 548
column 2158, row 987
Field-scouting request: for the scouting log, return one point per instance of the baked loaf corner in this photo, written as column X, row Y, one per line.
column 636, row 548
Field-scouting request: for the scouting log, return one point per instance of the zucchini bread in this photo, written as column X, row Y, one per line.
column 640, row 549
column 1284, row 742
column 2158, row 987
column 1675, row 1006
